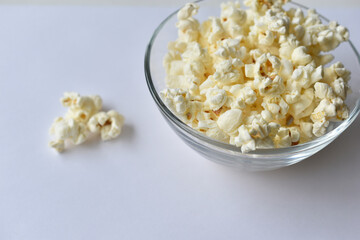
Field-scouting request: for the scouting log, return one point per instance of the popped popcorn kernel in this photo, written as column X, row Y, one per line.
column 67, row 130
column 230, row 120
column 109, row 124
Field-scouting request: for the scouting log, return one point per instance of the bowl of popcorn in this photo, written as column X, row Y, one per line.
column 259, row 85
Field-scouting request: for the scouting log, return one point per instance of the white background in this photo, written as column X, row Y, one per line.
column 147, row 184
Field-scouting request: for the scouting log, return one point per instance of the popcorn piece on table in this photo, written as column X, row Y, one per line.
column 109, row 124
column 81, row 108
column 67, row 130
column 81, row 118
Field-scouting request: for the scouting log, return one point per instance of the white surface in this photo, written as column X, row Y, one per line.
column 147, row 184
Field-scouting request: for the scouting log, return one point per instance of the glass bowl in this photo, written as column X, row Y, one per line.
column 260, row 159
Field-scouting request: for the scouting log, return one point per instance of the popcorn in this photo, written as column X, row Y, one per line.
column 67, row 130
column 207, row 84
column 171, row 56
column 243, row 95
column 337, row 70
column 260, row 6
column 319, row 127
column 81, row 119
column 287, row 47
column 337, row 77
column 81, row 108
column 267, row 115
column 323, row 59
column 178, row 101
column 230, row 48
column 286, row 69
column 108, row 124
column 328, row 39
column 266, row 65
column 323, row 37
column 229, row 72
column 212, row 31
column 277, row 21
column 323, row 90
column 217, row 134
column 324, row 111
column 300, row 57
column 205, row 121
column 294, row 135
column 265, row 74
column 283, row 138
column 244, row 140
column 267, row 38
column 187, row 25
column 340, row 87
column 215, row 98
column 188, row 11
column 304, row 76
column 233, row 18
column 306, row 129
column 255, row 78
column 264, row 143
column 230, row 120
column 276, row 106
column 301, row 108
column 268, row 85
column 187, row 70
column 342, row 112
column 250, row 70
column 292, row 96
column 257, row 126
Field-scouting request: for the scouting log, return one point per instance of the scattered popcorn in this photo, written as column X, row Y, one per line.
column 83, row 117
column 67, row 129
column 81, row 108
column 108, row 124
column 254, row 78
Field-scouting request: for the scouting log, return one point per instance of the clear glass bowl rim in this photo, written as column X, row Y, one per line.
column 226, row 146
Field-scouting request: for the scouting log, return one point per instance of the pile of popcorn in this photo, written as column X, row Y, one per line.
column 83, row 117
column 255, row 77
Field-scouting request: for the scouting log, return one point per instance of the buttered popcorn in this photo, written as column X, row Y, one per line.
column 83, row 117
column 256, row 77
